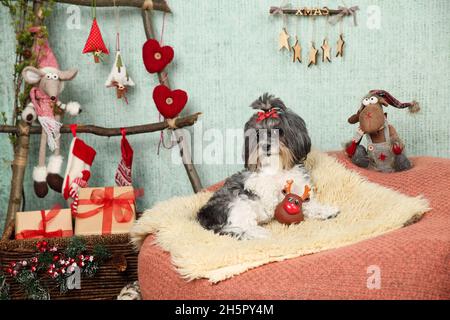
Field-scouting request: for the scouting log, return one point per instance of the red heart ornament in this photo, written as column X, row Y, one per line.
column 155, row 57
column 169, row 102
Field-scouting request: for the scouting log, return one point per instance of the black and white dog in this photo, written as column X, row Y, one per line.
column 276, row 145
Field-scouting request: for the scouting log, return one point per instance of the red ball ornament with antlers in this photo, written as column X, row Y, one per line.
column 290, row 210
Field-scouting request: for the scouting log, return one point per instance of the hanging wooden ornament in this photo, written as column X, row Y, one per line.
column 340, row 46
column 155, row 57
column 94, row 43
column 283, row 40
column 297, row 51
column 345, row 11
column 312, row 55
column 333, row 16
column 326, row 51
column 313, row 51
column 169, row 102
column 296, row 48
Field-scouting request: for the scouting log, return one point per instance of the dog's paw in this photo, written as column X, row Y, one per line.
column 315, row 210
column 256, row 233
column 332, row 212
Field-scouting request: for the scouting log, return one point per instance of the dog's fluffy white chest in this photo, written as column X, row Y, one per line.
column 268, row 185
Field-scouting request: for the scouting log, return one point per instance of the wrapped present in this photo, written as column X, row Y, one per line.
column 52, row 223
column 108, row 210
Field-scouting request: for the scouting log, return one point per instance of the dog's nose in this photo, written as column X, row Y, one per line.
column 53, row 98
column 266, row 147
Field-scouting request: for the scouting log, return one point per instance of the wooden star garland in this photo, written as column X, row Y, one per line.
column 333, row 17
column 326, row 51
column 312, row 55
column 340, row 46
column 283, row 40
column 297, row 49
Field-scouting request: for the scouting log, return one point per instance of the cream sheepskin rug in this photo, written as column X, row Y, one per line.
column 367, row 210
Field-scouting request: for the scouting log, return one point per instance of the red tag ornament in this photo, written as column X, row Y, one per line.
column 169, row 102
column 155, row 57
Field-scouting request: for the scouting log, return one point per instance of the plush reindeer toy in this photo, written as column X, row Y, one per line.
column 48, row 82
column 385, row 151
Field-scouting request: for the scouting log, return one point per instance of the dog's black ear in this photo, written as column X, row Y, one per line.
column 296, row 135
column 268, row 101
column 250, row 147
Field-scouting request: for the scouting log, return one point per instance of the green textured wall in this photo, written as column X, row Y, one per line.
column 225, row 56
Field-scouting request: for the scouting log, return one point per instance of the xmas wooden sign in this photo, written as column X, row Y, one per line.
column 334, row 16
column 313, row 12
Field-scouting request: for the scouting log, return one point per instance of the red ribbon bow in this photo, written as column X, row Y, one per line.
column 272, row 113
column 42, row 231
column 120, row 207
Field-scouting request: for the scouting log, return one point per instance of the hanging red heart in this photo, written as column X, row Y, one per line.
column 169, row 102
column 155, row 57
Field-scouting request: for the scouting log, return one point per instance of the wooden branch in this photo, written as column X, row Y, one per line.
column 110, row 132
column 8, row 231
column 19, row 165
column 307, row 12
column 22, row 145
column 160, row 5
column 184, row 150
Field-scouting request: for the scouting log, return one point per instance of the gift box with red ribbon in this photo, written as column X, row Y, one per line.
column 107, row 210
column 52, row 223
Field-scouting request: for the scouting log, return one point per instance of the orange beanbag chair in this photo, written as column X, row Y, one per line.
column 412, row 262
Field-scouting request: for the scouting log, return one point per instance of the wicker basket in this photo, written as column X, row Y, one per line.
column 112, row 276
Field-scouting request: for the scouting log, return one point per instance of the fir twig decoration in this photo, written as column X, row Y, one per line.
column 58, row 265
column 4, row 287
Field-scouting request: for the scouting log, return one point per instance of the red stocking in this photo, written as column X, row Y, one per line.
column 123, row 173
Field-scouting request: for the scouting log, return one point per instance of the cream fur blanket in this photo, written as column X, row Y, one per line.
column 367, row 210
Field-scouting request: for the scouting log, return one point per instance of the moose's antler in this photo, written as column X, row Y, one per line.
column 288, row 186
column 305, row 195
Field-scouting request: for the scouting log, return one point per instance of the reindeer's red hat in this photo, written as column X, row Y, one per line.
column 413, row 106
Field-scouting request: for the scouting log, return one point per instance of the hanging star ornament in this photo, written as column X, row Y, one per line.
column 312, row 55
column 283, row 40
column 340, row 46
column 297, row 49
column 326, row 51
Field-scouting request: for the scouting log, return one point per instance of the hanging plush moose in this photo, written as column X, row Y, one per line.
column 48, row 82
column 385, row 150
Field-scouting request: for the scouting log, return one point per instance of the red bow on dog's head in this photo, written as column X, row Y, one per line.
column 272, row 113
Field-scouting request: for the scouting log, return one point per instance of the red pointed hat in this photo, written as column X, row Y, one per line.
column 412, row 106
column 95, row 40
column 44, row 53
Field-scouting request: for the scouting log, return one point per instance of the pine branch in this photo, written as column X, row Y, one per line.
column 4, row 288
column 75, row 247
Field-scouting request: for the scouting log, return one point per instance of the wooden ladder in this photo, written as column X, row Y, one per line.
column 23, row 130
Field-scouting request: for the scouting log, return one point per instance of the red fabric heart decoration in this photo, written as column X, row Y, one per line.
column 155, row 57
column 169, row 102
